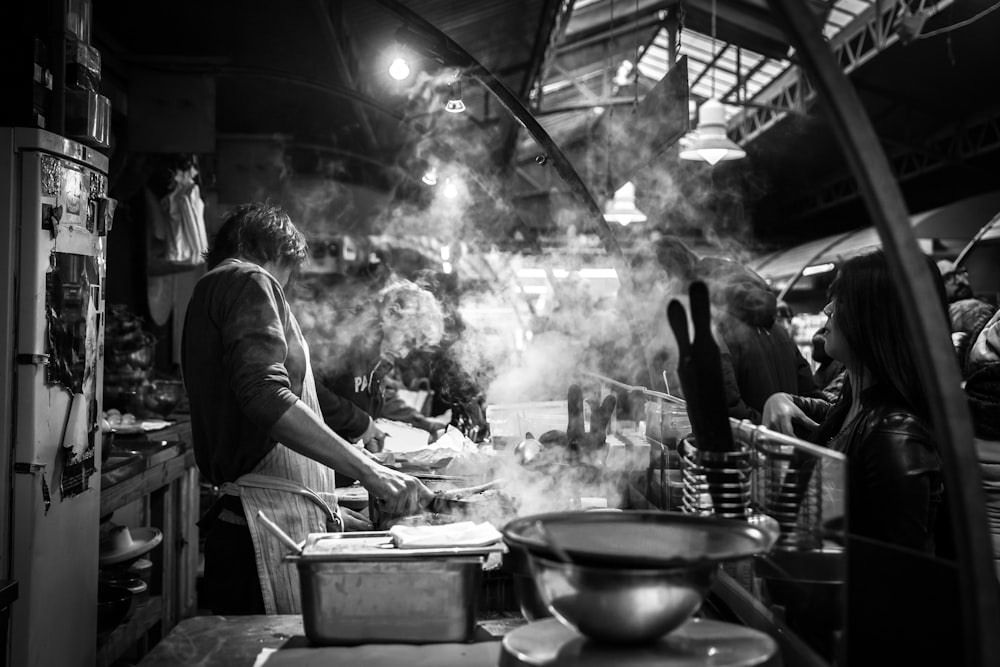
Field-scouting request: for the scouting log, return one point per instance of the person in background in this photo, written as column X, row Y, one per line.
column 400, row 318
column 256, row 427
column 981, row 370
column 830, row 373
column 966, row 313
column 784, row 316
column 898, row 537
column 438, row 369
column 882, row 422
column 759, row 358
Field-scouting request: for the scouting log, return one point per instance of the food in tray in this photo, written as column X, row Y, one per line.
column 115, row 421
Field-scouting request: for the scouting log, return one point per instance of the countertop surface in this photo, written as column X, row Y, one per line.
column 239, row 641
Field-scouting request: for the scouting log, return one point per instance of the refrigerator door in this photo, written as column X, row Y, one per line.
column 54, row 229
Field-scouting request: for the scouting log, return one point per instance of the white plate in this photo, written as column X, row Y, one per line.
column 402, row 437
column 141, row 427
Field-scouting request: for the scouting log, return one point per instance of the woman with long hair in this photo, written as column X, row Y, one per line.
column 900, row 581
column 882, row 419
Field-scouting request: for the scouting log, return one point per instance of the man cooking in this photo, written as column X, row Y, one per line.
column 255, row 420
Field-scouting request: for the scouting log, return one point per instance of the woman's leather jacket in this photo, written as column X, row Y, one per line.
column 895, row 484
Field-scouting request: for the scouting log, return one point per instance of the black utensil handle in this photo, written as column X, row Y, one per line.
column 575, row 427
column 716, row 435
column 677, row 317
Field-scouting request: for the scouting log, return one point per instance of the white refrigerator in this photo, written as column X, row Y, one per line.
column 54, row 216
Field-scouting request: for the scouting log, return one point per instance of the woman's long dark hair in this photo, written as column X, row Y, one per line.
column 869, row 314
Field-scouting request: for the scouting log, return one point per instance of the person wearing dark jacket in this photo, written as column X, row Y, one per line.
column 256, row 429
column 896, row 519
column 968, row 314
column 830, row 373
column 352, row 391
column 981, row 370
column 759, row 358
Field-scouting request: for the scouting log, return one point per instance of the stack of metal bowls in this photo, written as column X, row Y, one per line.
column 628, row 577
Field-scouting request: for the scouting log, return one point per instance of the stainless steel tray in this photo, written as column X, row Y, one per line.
column 386, row 595
column 377, row 545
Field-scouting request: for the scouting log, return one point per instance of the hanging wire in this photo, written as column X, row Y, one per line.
column 680, row 28
column 611, row 108
column 712, row 61
column 635, row 65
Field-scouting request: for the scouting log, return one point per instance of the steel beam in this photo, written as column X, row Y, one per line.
column 857, row 43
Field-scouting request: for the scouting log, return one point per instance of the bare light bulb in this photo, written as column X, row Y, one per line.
column 450, row 191
column 399, row 70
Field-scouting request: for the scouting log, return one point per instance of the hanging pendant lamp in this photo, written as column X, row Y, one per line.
column 455, row 103
column 621, row 208
column 711, row 144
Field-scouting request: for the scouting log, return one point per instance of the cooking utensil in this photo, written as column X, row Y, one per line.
column 526, row 452
column 700, row 370
column 278, row 532
column 634, row 575
column 113, row 604
column 357, row 600
column 442, row 504
column 639, row 539
column 452, row 501
column 716, row 434
column 622, row 605
column 552, row 543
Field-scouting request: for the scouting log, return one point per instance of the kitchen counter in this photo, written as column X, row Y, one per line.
column 237, row 641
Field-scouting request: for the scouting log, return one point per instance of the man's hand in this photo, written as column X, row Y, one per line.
column 373, row 438
column 434, row 427
column 781, row 414
column 354, row 521
column 396, row 493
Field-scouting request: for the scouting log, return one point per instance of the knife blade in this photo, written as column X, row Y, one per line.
column 443, row 504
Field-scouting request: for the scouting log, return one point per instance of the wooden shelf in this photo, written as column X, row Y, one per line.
column 166, row 484
column 143, row 618
column 152, row 478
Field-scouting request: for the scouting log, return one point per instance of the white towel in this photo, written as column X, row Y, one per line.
column 461, row 534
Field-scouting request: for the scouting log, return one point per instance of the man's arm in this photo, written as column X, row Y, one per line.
column 341, row 415
column 303, row 431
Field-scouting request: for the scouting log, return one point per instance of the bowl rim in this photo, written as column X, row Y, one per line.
column 753, row 539
column 686, row 569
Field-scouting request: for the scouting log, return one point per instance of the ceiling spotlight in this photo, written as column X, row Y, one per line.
column 450, row 191
column 455, row 103
column 399, row 69
column 710, row 143
column 430, row 177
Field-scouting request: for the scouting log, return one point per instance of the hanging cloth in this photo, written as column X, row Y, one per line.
column 295, row 492
column 187, row 240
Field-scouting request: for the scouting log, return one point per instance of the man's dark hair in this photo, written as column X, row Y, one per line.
column 259, row 231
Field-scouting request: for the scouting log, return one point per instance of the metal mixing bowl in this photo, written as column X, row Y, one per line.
column 628, row 576
column 622, row 606
column 161, row 396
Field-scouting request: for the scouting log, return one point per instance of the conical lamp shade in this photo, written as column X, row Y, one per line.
column 621, row 208
column 711, row 144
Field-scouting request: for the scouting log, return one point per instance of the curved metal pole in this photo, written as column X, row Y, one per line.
column 819, row 253
column 975, row 239
column 309, row 82
column 938, row 370
column 434, row 43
